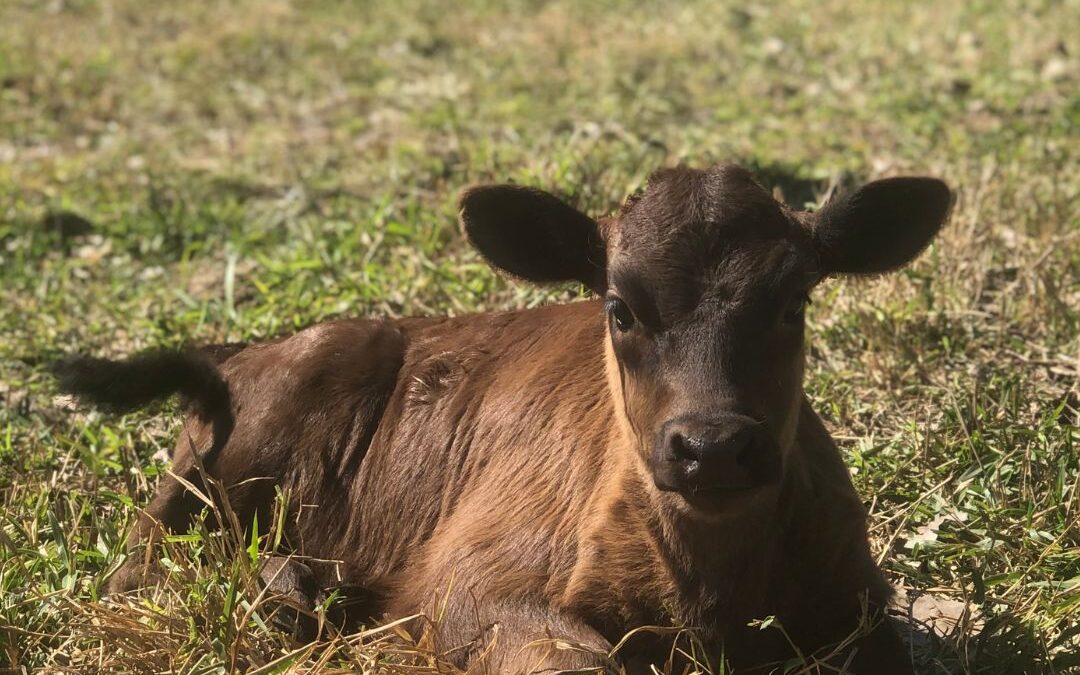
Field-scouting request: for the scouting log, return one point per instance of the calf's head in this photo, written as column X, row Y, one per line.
column 705, row 279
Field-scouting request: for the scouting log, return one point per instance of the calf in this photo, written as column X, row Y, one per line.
column 571, row 471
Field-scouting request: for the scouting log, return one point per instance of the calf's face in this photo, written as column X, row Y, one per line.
column 705, row 279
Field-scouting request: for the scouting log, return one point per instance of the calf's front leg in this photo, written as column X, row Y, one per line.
column 881, row 652
column 519, row 637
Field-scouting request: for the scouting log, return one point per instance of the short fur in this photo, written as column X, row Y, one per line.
column 507, row 470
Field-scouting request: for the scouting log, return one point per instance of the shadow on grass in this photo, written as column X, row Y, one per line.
column 794, row 185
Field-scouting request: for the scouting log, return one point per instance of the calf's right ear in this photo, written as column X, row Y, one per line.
column 534, row 236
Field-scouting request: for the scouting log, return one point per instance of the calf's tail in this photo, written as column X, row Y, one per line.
column 127, row 385
column 122, row 386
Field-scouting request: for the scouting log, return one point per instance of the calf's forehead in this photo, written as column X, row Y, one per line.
column 700, row 202
column 695, row 233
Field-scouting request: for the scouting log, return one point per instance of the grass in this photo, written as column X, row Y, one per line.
column 212, row 171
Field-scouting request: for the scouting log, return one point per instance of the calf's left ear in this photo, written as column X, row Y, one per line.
column 881, row 226
column 534, row 235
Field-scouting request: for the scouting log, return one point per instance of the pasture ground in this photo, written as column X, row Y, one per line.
column 232, row 170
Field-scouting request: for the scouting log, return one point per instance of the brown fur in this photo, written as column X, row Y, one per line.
column 500, row 470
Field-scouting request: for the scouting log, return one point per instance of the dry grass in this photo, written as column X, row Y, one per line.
column 245, row 168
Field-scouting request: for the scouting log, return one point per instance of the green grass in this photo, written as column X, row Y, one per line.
column 247, row 168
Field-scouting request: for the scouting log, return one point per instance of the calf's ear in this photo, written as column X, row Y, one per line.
column 533, row 235
column 881, row 226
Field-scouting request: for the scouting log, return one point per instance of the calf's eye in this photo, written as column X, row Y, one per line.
column 620, row 314
column 796, row 310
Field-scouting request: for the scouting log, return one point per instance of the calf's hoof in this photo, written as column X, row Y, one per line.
column 293, row 595
column 134, row 573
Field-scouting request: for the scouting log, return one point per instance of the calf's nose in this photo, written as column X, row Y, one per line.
column 712, row 456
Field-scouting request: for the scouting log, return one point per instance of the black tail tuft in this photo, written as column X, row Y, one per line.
column 121, row 386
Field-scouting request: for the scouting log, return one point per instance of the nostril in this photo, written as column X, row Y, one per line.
column 744, row 447
column 744, row 457
column 683, row 449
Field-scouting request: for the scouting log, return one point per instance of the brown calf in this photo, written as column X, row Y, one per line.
column 571, row 471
